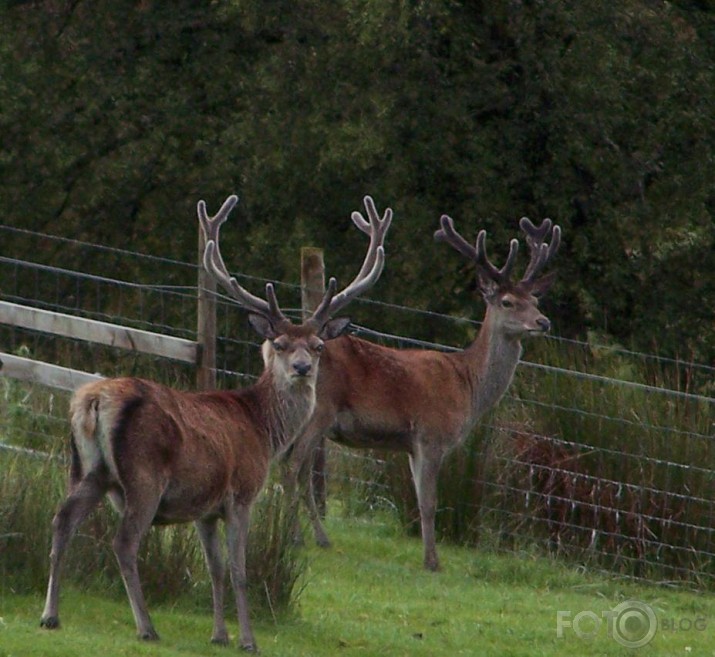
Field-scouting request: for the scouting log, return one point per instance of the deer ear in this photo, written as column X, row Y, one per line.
column 334, row 327
column 262, row 326
column 541, row 286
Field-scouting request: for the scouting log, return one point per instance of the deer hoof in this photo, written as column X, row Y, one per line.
column 432, row 565
column 250, row 647
column 50, row 623
column 220, row 640
column 323, row 541
column 149, row 635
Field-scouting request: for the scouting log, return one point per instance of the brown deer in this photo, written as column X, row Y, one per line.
column 425, row 402
column 165, row 456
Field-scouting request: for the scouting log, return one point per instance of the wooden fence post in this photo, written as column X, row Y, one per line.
column 312, row 288
column 206, row 324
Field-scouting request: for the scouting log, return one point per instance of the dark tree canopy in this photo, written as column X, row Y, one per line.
column 118, row 116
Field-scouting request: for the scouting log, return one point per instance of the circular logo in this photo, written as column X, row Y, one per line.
column 634, row 624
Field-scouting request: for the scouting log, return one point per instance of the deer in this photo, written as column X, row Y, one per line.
column 166, row 456
column 425, row 402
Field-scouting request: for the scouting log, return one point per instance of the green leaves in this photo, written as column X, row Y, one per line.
column 118, row 117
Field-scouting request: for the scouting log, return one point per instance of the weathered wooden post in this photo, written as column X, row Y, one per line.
column 206, row 324
column 312, row 288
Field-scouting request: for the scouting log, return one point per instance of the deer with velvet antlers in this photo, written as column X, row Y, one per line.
column 165, row 456
column 425, row 402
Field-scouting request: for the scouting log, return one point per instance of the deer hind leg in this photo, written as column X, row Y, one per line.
column 208, row 533
column 425, row 470
column 237, row 523
column 139, row 512
column 84, row 497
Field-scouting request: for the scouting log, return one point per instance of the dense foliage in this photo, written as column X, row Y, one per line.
column 118, row 116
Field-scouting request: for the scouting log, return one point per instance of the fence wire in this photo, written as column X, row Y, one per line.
column 617, row 474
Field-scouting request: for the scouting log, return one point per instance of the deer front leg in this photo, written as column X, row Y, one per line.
column 208, row 533
column 237, row 523
column 425, row 470
column 83, row 499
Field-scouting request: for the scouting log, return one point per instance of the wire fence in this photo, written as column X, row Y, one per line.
column 602, row 455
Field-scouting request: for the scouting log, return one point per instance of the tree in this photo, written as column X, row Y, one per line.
column 119, row 116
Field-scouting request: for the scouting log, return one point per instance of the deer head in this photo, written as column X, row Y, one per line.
column 292, row 351
column 512, row 305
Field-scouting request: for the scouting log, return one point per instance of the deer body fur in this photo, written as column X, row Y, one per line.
column 426, row 402
column 126, row 427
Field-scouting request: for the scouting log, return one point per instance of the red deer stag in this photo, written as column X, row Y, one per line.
column 166, row 456
column 426, row 402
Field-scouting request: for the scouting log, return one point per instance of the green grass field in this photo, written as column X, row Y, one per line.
column 368, row 595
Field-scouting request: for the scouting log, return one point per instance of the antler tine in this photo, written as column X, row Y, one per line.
column 541, row 252
column 372, row 266
column 321, row 313
column 215, row 265
column 333, row 303
column 498, row 275
column 479, row 254
column 376, row 228
column 449, row 235
column 211, row 225
column 275, row 311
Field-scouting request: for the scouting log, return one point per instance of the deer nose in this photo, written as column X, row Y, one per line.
column 302, row 368
column 543, row 323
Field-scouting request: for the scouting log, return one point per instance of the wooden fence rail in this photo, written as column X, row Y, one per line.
column 201, row 353
column 98, row 332
column 36, row 371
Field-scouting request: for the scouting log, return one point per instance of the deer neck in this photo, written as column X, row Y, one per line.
column 491, row 361
column 287, row 409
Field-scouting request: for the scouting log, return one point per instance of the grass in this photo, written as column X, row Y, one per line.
column 368, row 595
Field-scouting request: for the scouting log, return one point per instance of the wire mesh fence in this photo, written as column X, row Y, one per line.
column 598, row 454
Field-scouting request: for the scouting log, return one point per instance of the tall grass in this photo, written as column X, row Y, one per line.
column 616, row 474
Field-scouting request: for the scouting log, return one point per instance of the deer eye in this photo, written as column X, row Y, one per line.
column 318, row 348
column 278, row 346
column 507, row 303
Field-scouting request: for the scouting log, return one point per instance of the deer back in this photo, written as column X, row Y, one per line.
column 190, row 446
column 382, row 397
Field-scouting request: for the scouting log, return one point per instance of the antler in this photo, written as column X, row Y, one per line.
column 214, row 264
column 376, row 228
column 449, row 235
column 332, row 301
column 372, row 266
column 541, row 252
